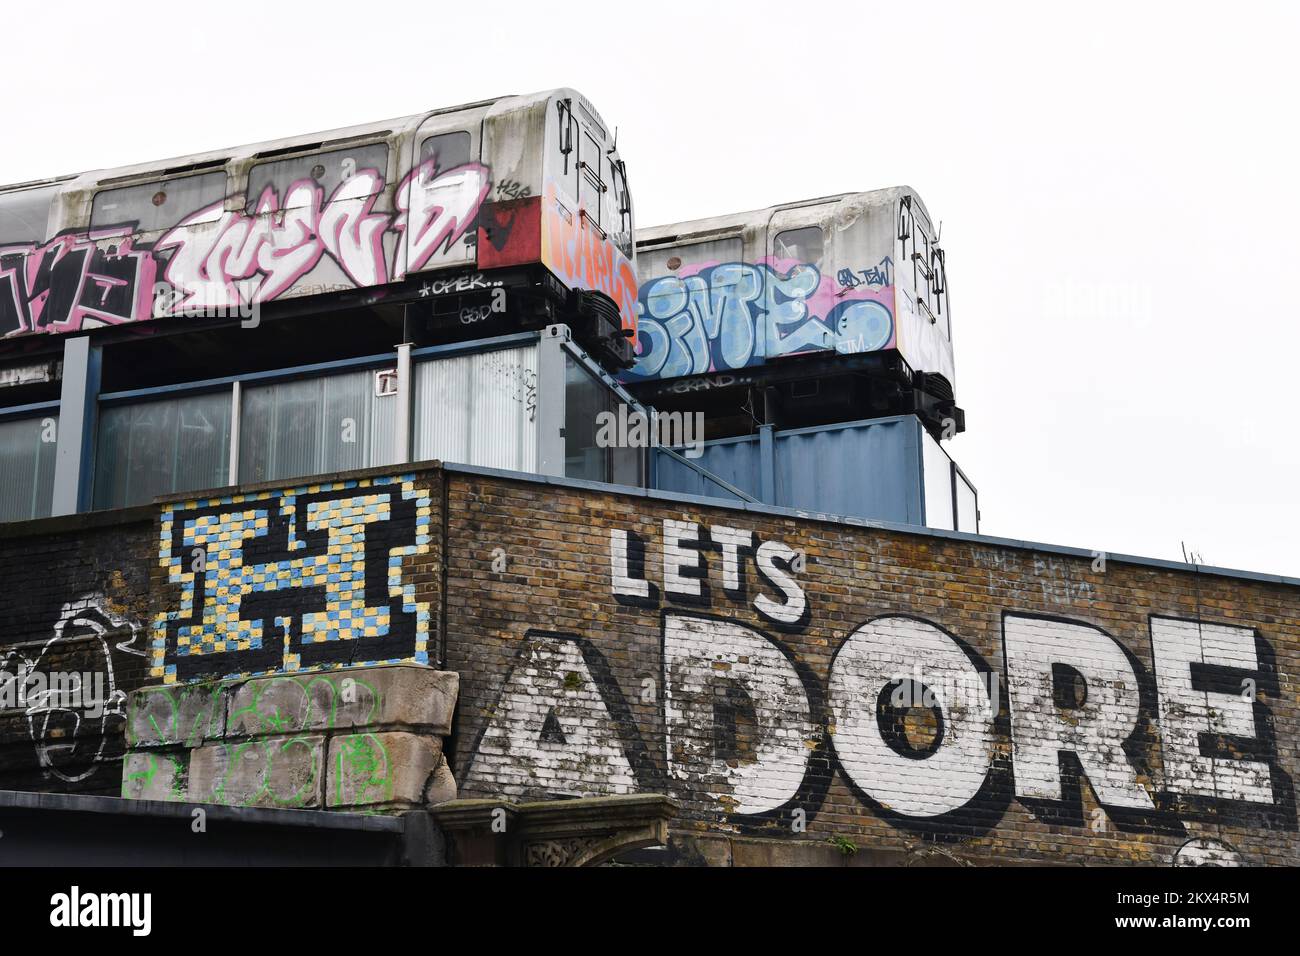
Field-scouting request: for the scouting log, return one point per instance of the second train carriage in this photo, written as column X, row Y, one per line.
column 812, row 312
column 531, row 183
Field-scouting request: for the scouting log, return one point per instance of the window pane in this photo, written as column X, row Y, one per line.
column 314, row 426
column 160, row 205
column 161, row 448
column 621, row 224
column 585, row 399
column 967, row 507
column 448, row 150
column 27, row 448
column 938, row 489
column 24, row 215
column 565, row 164
column 326, row 170
column 804, row 245
column 279, row 430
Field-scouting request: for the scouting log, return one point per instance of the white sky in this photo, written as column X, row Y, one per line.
column 1117, row 185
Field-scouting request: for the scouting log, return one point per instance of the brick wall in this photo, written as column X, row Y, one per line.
column 755, row 679
column 809, row 690
column 75, row 609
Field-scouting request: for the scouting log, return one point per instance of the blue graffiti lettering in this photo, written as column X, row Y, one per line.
column 738, row 314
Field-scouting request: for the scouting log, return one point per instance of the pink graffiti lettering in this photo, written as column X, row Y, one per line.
column 434, row 211
column 218, row 258
column 74, row 281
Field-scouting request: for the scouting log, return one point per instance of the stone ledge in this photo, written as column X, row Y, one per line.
column 362, row 737
column 581, row 832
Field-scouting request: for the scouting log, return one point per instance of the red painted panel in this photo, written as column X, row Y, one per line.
column 509, row 233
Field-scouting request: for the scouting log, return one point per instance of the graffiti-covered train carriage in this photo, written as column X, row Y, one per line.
column 801, row 314
column 525, row 193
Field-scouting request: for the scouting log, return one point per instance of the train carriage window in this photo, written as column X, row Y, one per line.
column 155, row 206
column 806, row 245
column 621, row 221
column 447, row 150
column 566, row 139
column 327, row 170
column 25, row 213
column 591, row 121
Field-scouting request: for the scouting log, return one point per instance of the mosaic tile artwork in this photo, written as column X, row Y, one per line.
column 300, row 579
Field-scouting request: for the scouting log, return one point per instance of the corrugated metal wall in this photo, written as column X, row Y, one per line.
column 478, row 409
column 867, row 469
column 864, row 469
column 734, row 460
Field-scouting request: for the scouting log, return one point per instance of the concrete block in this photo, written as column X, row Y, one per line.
column 155, row 775
column 176, row 714
column 283, row 771
column 383, row 696
column 390, row 769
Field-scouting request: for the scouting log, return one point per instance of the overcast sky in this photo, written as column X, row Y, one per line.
column 1117, row 185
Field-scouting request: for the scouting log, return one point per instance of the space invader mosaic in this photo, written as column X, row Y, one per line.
column 296, row 579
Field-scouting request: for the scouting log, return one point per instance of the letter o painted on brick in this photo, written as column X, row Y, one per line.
column 882, row 652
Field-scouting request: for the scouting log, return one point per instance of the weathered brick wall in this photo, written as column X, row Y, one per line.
column 803, row 687
column 75, row 610
column 1086, row 716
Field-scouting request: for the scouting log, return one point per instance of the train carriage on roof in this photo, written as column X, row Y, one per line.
column 800, row 314
column 526, row 192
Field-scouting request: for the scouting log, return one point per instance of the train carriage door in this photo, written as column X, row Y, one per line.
column 592, row 184
column 443, row 184
column 797, row 295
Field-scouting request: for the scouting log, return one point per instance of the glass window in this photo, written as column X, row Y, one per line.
column 25, row 213
column 938, row 471
column 27, row 447
column 585, row 399
column 564, row 165
column 967, row 506
column 806, row 245
column 621, row 223
column 327, row 170
column 314, row 426
column 160, row 205
column 448, row 150
column 162, row 447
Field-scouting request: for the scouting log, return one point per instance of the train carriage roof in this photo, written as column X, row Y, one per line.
column 179, row 165
column 847, row 205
